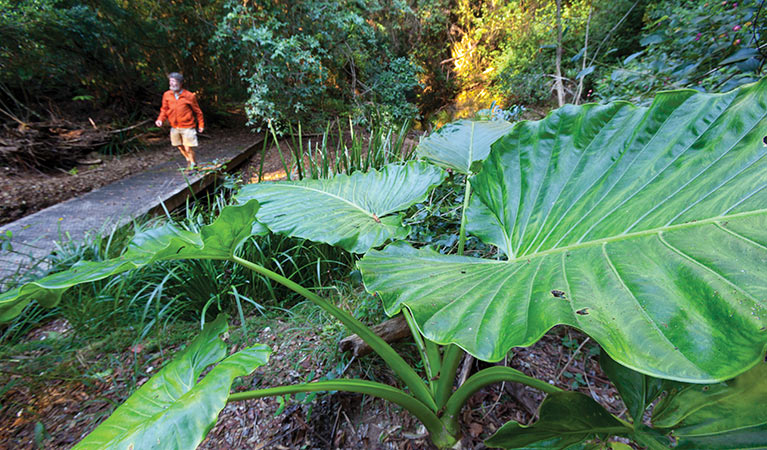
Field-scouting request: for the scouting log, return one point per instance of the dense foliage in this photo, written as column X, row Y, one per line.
column 109, row 50
column 289, row 61
column 375, row 61
column 300, row 59
column 508, row 47
column 709, row 46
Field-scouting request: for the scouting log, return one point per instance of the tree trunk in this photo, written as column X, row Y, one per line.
column 558, row 82
column 579, row 91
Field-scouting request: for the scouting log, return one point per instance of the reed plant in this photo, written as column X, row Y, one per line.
column 340, row 149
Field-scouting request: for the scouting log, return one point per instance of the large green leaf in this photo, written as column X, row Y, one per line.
column 355, row 212
column 566, row 420
column 172, row 409
column 459, row 144
column 218, row 240
column 637, row 390
column 749, row 438
column 644, row 227
column 729, row 415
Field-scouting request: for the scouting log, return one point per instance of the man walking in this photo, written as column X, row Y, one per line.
column 180, row 107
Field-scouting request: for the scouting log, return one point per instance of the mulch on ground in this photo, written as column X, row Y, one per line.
column 58, row 412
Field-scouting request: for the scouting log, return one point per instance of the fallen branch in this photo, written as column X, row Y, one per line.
column 392, row 330
column 130, row 127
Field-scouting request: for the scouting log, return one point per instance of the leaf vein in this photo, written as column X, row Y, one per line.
column 705, row 267
column 492, row 299
column 648, row 145
column 530, row 295
column 467, row 291
column 642, row 311
column 739, row 236
column 569, row 177
column 539, row 187
column 750, row 194
column 696, row 177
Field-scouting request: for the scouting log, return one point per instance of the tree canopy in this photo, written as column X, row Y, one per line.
column 381, row 60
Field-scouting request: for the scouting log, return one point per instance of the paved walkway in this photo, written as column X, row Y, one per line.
column 112, row 206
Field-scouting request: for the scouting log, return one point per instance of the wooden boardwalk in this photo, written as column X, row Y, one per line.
column 103, row 210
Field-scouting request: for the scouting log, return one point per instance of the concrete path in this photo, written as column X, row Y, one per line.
column 112, row 206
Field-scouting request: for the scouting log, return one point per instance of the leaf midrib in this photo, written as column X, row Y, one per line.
column 295, row 186
column 471, row 149
column 657, row 230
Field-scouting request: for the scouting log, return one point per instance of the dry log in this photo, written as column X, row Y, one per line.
column 392, row 330
column 524, row 398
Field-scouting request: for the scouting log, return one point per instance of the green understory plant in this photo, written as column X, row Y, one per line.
column 319, row 159
column 645, row 228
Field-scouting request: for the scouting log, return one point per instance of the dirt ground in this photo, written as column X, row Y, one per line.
column 56, row 413
column 351, row 421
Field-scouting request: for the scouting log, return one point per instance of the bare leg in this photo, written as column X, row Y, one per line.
column 190, row 154
column 183, row 152
column 186, row 153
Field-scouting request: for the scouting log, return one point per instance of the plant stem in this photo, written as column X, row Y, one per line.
column 454, row 354
column 434, row 356
column 422, row 412
column 450, row 361
column 462, row 232
column 236, row 296
column 484, row 378
column 392, row 359
column 263, row 155
column 419, row 343
column 558, row 83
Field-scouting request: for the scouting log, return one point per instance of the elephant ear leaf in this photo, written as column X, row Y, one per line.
column 566, row 420
column 637, row 390
column 646, row 228
column 356, row 212
column 460, row 144
column 172, row 409
column 219, row 240
column 728, row 415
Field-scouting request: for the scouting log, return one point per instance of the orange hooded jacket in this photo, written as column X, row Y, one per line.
column 182, row 111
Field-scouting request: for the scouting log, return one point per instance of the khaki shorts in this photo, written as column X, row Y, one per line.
column 183, row 136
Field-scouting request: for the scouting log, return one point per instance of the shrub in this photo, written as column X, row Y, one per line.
column 709, row 46
column 302, row 59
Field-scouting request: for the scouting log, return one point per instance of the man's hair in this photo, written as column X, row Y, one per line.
column 177, row 76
